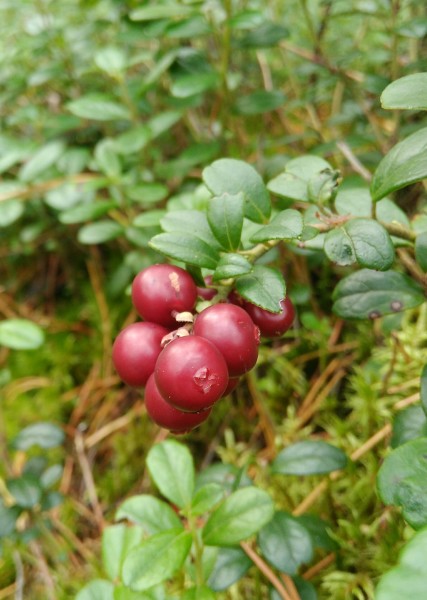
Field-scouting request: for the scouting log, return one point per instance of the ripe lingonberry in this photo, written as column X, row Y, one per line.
column 272, row 324
column 161, row 291
column 135, row 351
column 191, row 374
column 165, row 415
column 233, row 332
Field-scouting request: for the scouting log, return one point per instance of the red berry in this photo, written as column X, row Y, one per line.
column 272, row 324
column 161, row 291
column 207, row 293
column 191, row 373
column 165, row 415
column 233, row 332
column 135, row 351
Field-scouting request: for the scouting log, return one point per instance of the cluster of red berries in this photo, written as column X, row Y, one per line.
column 187, row 363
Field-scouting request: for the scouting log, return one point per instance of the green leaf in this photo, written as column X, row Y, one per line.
column 156, row 559
column 133, row 141
column 150, row 218
column 186, row 247
column 117, row 542
column 371, row 243
column 231, row 265
column 194, row 222
column 21, row 334
column 406, row 163
column 231, row 564
column 107, row 159
column 51, row 476
column 318, row 530
column 10, row 211
column 264, row 287
column 98, row 589
column 99, row 232
column 98, row 107
column 259, row 102
column 402, row 481
column 338, row 247
column 285, row 543
column 292, row 184
column 169, row 10
column 267, row 34
column 225, row 216
column 122, row 592
column 8, row 517
column 409, row 578
column 370, row 294
column 152, row 514
column 26, row 490
column 171, row 467
column 45, row 435
column 408, row 424
column 421, row 250
column 287, row 225
column 241, row 515
column 44, row 158
column 111, row 59
column 190, row 85
column 409, row 92
column 232, row 176
column 423, row 388
column 322, row 187
column 309, row 457
column 86, row 212
column 206, row 498
column 147, row 193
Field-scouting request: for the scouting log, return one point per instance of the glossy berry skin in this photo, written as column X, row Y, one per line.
column 165, row 415
column 135, row 352
column 191, row 374
column 272, row 324
column 159, row 291
column 233, row 332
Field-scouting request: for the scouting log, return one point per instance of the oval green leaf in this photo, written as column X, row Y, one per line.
column 402, row 481
column 370, row 294
column 421, row 250
column 156, row 559
column 44, row 158
column 409, row 92
column 259, row 102
column 287, row 225
column 241, row 515
column 264, row 287
column 99, row 232
column 225, row 217
column 45, row 435
column 98, row 107
column 231, row 564
column 406, row 163
column 371, row 243
column 338, row 247
column 86, row 212
column 309, row 457
column 171, row 467
column 21, row 334
column 152, row 514
column 285, row 543
column 228, row 175
column 186, row 247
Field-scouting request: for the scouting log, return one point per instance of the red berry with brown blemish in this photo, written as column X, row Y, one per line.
column 191, row 373
column 159, row 292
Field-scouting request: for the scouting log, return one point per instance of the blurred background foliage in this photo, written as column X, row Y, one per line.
column 109, row 110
